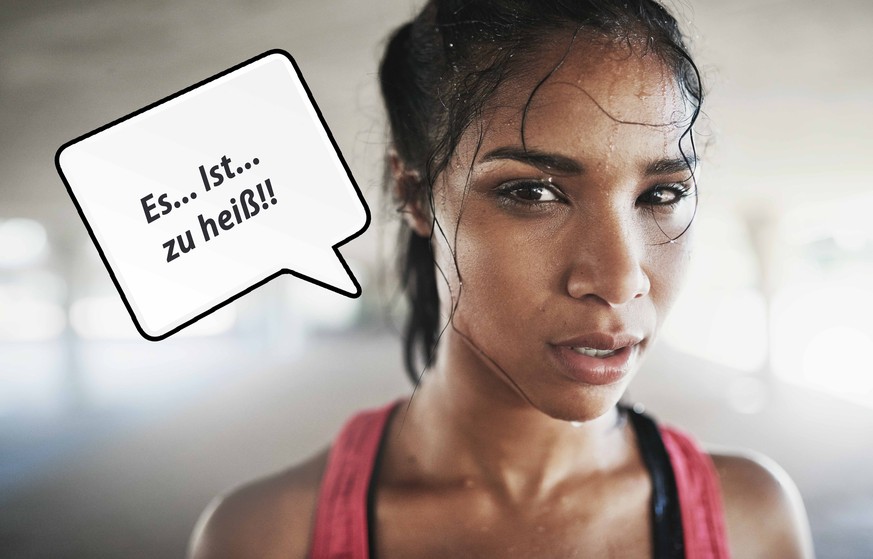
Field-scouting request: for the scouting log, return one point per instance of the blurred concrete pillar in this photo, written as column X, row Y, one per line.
column 763, row 226
column 66, row 255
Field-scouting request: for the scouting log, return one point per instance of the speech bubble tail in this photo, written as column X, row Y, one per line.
column 331, row 272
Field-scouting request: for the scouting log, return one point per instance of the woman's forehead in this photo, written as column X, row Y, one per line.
column 598, row 100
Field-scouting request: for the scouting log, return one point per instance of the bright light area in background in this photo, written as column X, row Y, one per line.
column 822, row 337
column 142, row 374
column 837, row 359
column 104, row 317
column 321, row 309
column 23, row 242
column 721, row 315
column 27, row 319
column 30, row 309
column 31, row 376
column 30, row 306
column 822, row 329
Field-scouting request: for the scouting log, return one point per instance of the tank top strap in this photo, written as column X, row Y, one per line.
column 699, row 495
column 341, row 527
column 668, row 541
column 687, row 512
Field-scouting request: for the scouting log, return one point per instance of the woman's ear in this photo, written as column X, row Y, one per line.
column 408, row 192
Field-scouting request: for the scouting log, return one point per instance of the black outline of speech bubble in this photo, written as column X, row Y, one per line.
column 352, row 295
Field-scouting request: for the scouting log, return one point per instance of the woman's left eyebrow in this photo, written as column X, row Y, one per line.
column 671, row 166
column 541, row 160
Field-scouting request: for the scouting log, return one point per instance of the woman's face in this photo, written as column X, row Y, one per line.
column 563, row 248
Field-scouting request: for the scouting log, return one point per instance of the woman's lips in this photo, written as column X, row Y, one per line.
column 596, row 370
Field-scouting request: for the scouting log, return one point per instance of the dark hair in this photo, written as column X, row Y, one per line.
column 441, row 68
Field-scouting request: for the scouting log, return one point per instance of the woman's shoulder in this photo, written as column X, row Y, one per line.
column 274, row 516
column 269, row 517
column 764, row 512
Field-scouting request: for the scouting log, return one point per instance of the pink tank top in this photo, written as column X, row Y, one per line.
column 341, row 530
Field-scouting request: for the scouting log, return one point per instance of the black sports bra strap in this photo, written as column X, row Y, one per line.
column 667, row 536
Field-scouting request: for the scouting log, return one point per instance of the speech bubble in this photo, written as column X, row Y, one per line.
column 201, row 197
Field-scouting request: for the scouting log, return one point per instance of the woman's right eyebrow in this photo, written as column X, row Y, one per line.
column 551, row 162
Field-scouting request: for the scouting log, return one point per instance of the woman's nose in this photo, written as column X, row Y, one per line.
column 607, row 262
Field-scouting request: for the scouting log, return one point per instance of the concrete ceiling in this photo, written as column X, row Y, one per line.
column 790, row 85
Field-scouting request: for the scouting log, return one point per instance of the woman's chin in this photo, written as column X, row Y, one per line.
column 583, row 408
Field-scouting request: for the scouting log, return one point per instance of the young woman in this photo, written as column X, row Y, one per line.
column 543, row 156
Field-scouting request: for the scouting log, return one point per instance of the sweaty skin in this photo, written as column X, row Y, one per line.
column 537, row 253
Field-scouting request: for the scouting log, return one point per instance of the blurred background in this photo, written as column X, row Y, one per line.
column 110, row 445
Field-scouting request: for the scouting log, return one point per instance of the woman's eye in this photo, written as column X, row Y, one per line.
column 666, row 195
column 529, row 192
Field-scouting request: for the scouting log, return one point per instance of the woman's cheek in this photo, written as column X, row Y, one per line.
column 670, row 270
column 503, row 276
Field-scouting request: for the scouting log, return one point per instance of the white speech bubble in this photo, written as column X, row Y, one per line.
column 203, row 196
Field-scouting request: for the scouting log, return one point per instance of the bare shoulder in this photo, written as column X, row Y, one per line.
column 270, row 517
column 764, row 512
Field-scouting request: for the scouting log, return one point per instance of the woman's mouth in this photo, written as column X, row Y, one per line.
column 591, row 352
column 608, row 362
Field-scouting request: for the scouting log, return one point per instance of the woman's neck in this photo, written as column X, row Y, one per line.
column 465, row 424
